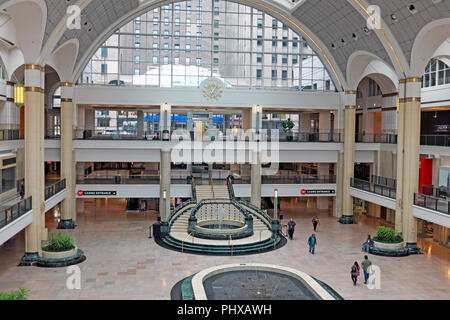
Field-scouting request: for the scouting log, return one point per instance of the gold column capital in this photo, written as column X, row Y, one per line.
column 410, row 80
column 66, row 84
column 34, row 67
column 411, row 99
column 66, row 100
column 34, row 89
column 351, row 92
column 350, row 107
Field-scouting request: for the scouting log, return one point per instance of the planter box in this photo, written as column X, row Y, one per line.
column 59, row 255
column 389, row 246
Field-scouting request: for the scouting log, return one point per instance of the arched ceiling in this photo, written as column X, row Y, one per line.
column 328, row 20
column 334, row 20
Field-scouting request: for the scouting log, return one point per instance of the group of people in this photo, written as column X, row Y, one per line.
column 366, row 263
column 312, row 240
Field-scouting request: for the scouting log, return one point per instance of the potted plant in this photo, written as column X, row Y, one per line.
column 59, row 246
column 288, row 125
column 21, row 294
column 387, row 238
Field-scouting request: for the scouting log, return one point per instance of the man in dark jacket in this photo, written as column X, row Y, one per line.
column 291, row 228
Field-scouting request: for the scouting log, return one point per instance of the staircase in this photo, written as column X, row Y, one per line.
column 211, row 192
column 262, row 239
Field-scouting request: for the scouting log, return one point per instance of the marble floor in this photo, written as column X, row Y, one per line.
column 123, row 263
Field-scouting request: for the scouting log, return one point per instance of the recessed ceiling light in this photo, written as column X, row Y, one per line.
column 333, row 46
column 394, row 17
column 354, row 36
column 366, row 30
column 412, row 9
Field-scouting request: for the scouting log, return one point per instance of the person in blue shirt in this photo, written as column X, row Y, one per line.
column 312, row 242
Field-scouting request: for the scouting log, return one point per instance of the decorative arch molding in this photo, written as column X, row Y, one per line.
column 64, row 58
column 272, row 9
column 363, row 64
column 427, row 42
column 30, row 19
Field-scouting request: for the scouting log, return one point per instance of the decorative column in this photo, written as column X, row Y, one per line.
column 256, row 171
column 337, row 205
column 68, row 209
column 410, row 101
column 164, row 186
column 164, row 121
column 349, row 156
column 256, row 179
column 140, row 124
column 400, row 147
column 34, row 165
column 323, row 171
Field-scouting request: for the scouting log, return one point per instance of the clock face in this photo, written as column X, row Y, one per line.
column 212, row 89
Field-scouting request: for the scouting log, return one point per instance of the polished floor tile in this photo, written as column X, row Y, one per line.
column 123, row 263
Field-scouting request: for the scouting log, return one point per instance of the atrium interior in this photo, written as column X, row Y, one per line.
column 225, row 149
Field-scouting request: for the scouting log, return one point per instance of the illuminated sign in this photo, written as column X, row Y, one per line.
column 82, row 193
column 317, row 192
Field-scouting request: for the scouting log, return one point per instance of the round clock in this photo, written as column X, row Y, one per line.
column 212, row 88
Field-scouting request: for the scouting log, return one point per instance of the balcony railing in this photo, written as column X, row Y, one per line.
column 374, row 188
column 53, row 189
column 14, row 212
column 435, row 140
column 114, row 178
column 376, row 138
column 432, row 203
column 389, row 182
column 10, row 134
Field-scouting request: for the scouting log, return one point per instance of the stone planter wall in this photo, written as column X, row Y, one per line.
column 389, row 246
column 59, row 255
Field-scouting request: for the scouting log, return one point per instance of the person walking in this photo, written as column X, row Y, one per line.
column 315, row 222
column 312, row 242
column 365, row 265
column 22, row 190
column 291, row 228
column 355, row 272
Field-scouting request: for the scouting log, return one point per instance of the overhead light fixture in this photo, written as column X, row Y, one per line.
column 354, row 36
column 366, row 30
column 435, row 115
column 394, row 17
column 333, row 46
column 412, row 9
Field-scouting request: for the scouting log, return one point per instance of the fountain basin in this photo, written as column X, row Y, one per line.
column 257, row 282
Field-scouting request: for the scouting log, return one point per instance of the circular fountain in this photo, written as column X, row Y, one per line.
column 252, row 282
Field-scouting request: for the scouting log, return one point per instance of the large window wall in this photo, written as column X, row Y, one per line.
column 181, row 44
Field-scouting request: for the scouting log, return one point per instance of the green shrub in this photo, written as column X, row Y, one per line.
column 59, row 242
column 20, row 294
column 386, row 234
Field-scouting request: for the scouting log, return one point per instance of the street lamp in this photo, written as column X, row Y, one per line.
column 164, row 202
column 275, row 211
